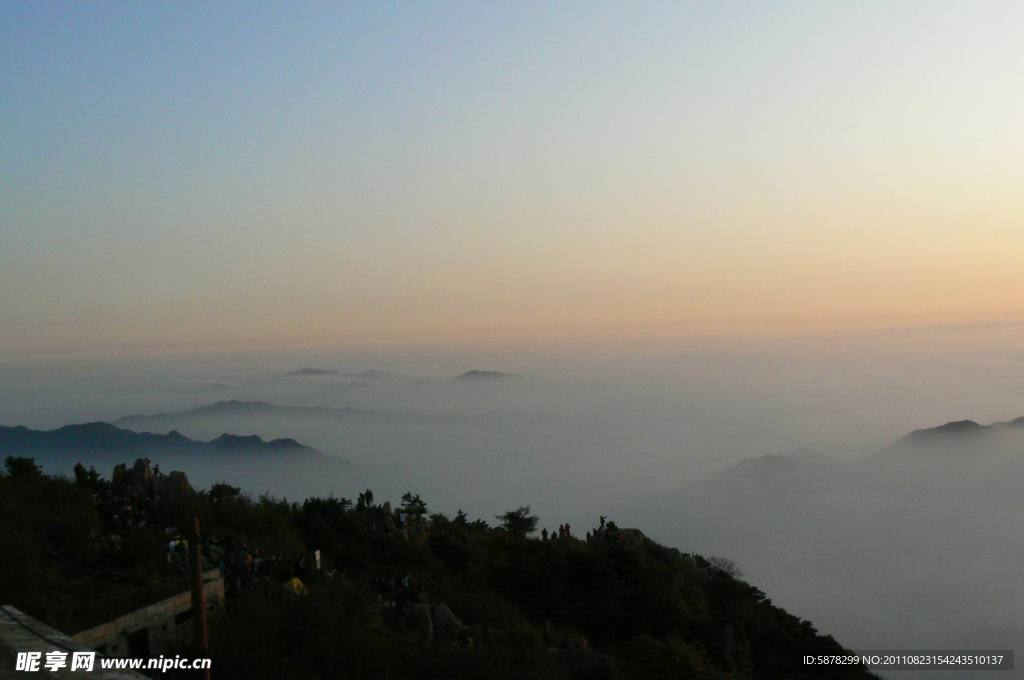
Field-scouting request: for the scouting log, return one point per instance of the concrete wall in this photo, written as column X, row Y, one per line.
column 155, row 629
column 20, row 632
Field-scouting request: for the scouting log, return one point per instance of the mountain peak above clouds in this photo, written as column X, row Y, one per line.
column 477, row 374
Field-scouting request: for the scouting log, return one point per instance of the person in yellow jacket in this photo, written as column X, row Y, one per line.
column 296, row 586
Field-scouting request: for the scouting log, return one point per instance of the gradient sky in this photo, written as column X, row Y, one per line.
column 225, row 174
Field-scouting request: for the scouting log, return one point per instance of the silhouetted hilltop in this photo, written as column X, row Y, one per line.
column 482, row 375
column 798, row 476
column 962, row 430
column 956, row 428
column 785, row 460
column 958, row 441
column 394, row 591
column 313, row 371
column 368, row 374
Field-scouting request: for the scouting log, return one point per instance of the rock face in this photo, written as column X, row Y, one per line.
column 142, row 490
column 136, row 482
column 173, row 493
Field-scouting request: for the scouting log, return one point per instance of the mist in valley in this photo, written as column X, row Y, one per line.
column 786, row 455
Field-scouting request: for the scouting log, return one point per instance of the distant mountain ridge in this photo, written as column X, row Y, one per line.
column 235, row 407
column 956, row 436
column 944, row 500
column 951, row 434
column 104, row 438
column 954, row 428
column 371, row 373
column 963, row 427
column 806, row 471
column 222, row 411
column 313, row 371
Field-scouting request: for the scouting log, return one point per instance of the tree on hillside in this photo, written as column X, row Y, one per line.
column 725, row 565
column 19, row 467
column 413, row 505
column 519, row 521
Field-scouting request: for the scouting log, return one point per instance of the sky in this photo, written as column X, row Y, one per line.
column 259, row 175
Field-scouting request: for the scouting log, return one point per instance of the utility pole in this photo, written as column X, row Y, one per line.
column 202, row 639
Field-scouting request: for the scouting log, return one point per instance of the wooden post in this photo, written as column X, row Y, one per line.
column 202, row 640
